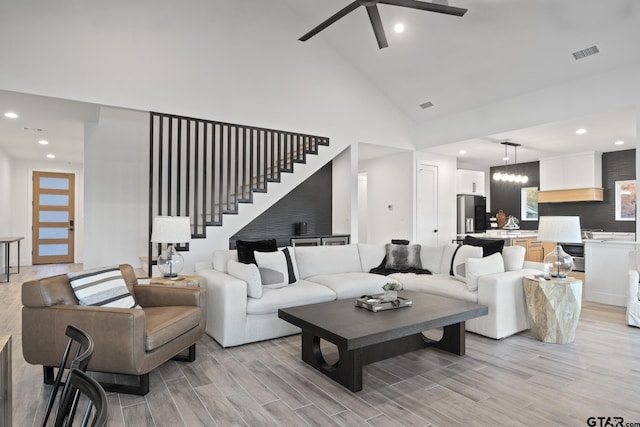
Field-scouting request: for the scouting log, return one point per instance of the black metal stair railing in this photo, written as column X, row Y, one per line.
column 203, row 169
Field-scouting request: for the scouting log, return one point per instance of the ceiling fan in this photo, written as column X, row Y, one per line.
column 374, row 15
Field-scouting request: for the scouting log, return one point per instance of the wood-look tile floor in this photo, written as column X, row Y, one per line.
column 514, row 381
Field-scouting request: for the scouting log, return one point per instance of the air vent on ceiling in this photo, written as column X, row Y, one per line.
column 586, row 52
column 426, row 105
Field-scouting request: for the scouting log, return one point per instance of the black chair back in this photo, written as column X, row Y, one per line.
column 81, row 358
column 81, row 383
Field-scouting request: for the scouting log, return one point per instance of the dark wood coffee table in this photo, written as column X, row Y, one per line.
column 364, row 337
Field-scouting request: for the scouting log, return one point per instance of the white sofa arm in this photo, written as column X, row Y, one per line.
column 534, row 265
column 633, row 302
column 633, row 295
column 503, row 294
column 226, row 307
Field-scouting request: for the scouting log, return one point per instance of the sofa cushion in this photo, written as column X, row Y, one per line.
column 371, row 255
column 314, row 260
column 352, row 285
column 221, row 258
column 447, row 256
column 431, row 257
column 276, row 268
column 458, row 264
column 303, row 292
column 476, row 267
column 246, row 249
column 163, row 324
column 513, row 257
column 437, row 284
column 489, row 246
column 250, row 274
column 102, row 287
column 402, row 257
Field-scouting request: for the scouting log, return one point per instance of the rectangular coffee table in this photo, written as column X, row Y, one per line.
column 364, row 337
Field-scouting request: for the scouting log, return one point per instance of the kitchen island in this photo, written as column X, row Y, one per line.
column 607, row 267
column 535, row 250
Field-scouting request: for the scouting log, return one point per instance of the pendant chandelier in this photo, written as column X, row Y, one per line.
column 506, row 175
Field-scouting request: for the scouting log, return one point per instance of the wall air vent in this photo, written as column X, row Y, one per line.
column 426, row 105
column 585, row 52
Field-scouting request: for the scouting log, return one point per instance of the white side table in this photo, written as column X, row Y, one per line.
column 554, row 308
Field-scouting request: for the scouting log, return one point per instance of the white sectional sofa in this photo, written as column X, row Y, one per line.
column 326, row 273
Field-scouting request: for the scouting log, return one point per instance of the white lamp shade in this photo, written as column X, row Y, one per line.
column 171, row 229
column 559, row 229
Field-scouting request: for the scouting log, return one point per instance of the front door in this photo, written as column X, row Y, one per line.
column 53, row 217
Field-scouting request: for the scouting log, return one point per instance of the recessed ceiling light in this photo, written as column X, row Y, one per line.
column 463, row 152
column 505, row 158
column 581, row 131
column 51, row 156
column 399, row 28
column 619, row 142
column 10, row 115
column 43, row 142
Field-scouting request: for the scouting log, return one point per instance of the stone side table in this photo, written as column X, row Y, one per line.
column 193, row 281
column 554, row 308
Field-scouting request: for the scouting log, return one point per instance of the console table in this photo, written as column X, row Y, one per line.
column 7, row 242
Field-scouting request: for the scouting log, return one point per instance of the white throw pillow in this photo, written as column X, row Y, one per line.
column 102, row 287
column 513, row 257
column 276, row 268
column 477, row 267
column 250, row 274
column 464, row 252
column 221, row 257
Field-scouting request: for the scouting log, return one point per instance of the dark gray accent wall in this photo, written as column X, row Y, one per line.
column 309, row 202
column 506, row 195
column 616, row 166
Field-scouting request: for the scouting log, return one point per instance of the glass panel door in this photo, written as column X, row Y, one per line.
column 53, row 216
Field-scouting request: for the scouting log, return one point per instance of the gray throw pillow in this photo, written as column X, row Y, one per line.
column 403, row 257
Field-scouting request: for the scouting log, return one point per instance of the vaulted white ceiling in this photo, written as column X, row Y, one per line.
column 500, row 50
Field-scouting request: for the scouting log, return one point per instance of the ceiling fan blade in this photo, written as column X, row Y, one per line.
column 431, row 7
column 342, row 13
column 378, row 29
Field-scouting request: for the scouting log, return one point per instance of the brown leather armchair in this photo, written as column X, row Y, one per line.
column 127, row 341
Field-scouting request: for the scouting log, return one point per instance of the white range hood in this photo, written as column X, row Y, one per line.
column 571, row 178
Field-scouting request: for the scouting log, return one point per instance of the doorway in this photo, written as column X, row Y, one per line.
column 53, row 218
column 427, row 205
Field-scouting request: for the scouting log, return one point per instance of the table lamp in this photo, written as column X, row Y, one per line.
column 171, row 230
column 559, row 229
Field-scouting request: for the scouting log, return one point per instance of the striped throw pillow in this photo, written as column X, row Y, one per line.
column 103, row 287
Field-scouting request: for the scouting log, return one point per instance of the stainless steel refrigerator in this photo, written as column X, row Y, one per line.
column 471, row 214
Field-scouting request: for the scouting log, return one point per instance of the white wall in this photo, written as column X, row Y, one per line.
column 341, row 193
column 363, row 210
column 117, row 188
column 5, row 194
column 224, row 60
column 390, row 184
column 22, row 196
column 5, row 211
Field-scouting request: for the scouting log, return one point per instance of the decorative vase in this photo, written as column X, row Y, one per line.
column 390, row 296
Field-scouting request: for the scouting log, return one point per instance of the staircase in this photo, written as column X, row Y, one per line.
column 204, row 169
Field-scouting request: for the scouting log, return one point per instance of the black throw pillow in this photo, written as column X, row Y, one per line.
column 246, row 248
column 489, row 246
